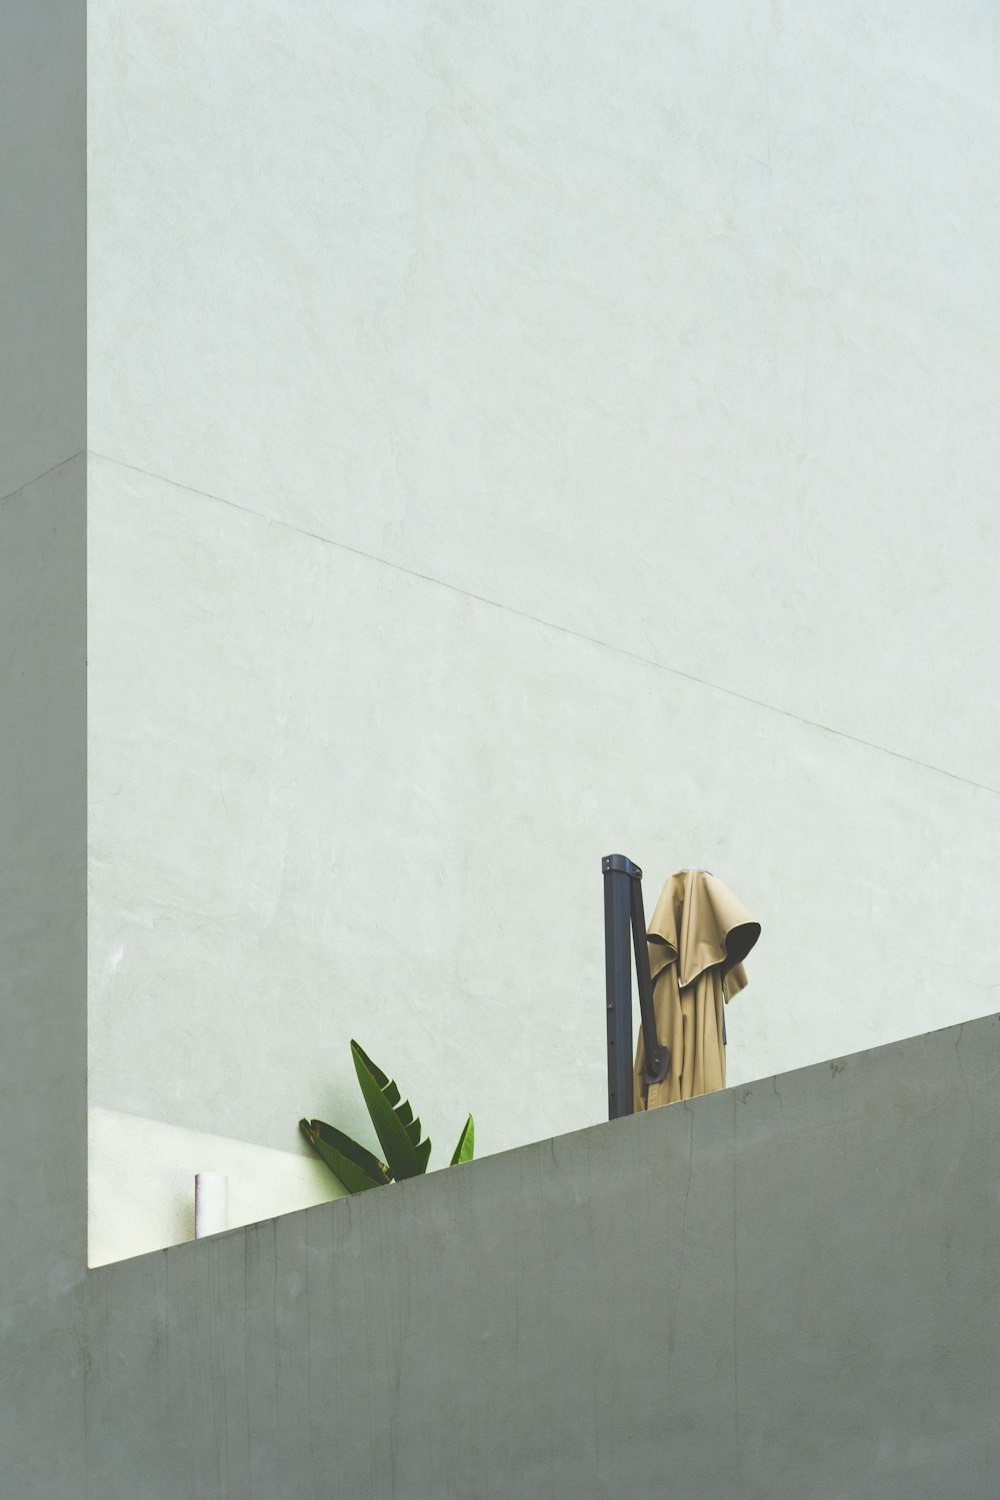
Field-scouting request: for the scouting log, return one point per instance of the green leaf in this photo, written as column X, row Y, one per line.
column 394, row 1124
column 466, row 1144
column 356, row 1168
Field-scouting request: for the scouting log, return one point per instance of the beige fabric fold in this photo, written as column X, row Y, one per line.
column 697, row 938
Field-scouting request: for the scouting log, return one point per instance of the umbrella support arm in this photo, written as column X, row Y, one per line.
column 623, row 911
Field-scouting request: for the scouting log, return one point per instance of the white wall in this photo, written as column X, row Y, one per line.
column 519, row 433
column 141, row 1187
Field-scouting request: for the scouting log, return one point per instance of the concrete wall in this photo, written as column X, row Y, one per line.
column 43, row 940
column 521, row 432
column 43, row 998
column 784, row 1290
column 43, row 313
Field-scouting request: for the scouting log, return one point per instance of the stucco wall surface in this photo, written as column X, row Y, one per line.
column 43, row 748
column 615, row 315
column 783, row 1290
column 43, row 976
column 330, row 799
column 520, row 433
column 43, row 265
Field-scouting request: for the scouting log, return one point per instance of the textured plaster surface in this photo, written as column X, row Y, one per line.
column 531, row 431
column 675, row 326
column 43, row 996
column 42, row 237
column 804, row 1301
column 330, row 799
column 43, row 749
column 784, row 1290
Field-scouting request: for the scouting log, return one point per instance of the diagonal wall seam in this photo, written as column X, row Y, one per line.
column 43, row 474
column 578, row 635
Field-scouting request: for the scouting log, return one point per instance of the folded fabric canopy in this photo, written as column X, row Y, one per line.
column 697, row 939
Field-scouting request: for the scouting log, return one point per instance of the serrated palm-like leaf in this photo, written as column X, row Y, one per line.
column 466, row 1144
column 357, row 1168
column 393, row 1119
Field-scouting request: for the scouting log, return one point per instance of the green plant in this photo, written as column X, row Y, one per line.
column 406, row 1155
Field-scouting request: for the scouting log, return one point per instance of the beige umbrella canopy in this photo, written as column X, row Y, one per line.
column 697, row 939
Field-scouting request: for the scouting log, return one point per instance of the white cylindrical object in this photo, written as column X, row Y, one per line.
column 211, row 1203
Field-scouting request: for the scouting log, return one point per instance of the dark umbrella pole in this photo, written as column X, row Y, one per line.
column 622, row 912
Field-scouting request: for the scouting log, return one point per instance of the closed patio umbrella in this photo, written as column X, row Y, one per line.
column 697, row 939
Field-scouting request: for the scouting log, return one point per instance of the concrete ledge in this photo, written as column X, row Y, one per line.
column 784, row 1290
